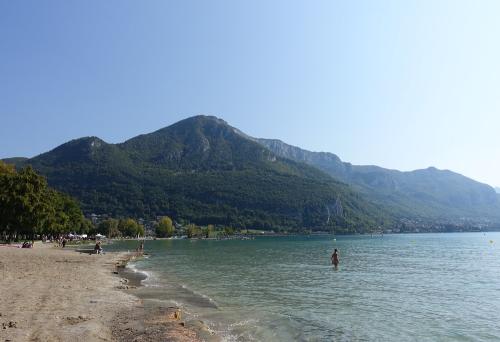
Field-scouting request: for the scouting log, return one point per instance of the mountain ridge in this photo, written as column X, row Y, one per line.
column 424, row 192
column 224, row 164
column 203, row 170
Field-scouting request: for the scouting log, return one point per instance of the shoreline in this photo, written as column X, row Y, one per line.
column 52, row 294
column 155, row 320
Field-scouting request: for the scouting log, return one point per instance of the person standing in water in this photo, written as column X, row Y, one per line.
column 335, row 258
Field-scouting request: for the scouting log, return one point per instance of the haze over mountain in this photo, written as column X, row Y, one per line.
column 202, row 170
column 428, row 193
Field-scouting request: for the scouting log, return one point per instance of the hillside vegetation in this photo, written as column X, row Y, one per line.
column 428, row 193
column 204, row 171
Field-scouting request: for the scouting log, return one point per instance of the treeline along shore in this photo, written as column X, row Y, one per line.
column 31, row 210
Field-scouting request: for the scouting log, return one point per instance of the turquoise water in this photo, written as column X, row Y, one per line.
column 434, row 287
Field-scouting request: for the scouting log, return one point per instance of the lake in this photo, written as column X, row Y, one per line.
column 439, row 287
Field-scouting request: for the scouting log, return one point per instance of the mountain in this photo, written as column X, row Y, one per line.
column 497, row 189
column 429, row 193
column 204, row 171
column 14, row 160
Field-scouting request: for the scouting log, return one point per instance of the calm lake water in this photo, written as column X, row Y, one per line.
column 422, row 287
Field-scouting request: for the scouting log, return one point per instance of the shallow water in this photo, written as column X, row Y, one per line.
column 439, row 287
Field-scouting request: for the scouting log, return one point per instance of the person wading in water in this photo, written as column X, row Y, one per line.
column 335, row 258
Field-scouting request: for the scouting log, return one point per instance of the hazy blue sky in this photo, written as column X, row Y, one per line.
column 401, row 84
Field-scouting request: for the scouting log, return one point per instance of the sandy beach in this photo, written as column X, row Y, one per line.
column 50, row 294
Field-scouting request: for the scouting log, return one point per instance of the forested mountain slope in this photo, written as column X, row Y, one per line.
column 204, row 171
column 427, row 193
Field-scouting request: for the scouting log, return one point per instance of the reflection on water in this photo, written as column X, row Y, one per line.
column 397, row 287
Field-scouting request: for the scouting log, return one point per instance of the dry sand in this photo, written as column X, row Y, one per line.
column 50, row 294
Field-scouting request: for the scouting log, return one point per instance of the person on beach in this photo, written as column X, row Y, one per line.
column 98, row 248
column 63, row 243
column 335, row 258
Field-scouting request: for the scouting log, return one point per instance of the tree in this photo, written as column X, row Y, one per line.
column 26, row 202
column 209, row 231
column 140, row 230
column 7, row 168
column 87, row 227
column 228, row 231
column 7, row 174
column 109, row 228
column 193, row 230
column 165, row 228
column 130, row 228
column 67, row 216
column 29, row 207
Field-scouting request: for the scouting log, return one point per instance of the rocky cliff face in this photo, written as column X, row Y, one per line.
column 334, row 210
column 328, row 162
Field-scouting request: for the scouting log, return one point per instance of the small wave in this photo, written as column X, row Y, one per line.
column 172, row 302
column 210, row 330
column 133, row 267
column 206, row 300
column 244, row 323
column 240, row 330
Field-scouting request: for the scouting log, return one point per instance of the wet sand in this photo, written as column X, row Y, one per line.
column 50, row 294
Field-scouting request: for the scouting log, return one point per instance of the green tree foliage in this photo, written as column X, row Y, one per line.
column 88, row 227
column 165, row 227
column 228, row 231
column 7, row 169
column 209, row 231
column 29, row 207
column 140, row 230
column 109, row 228
column 130, row 228
column 67, row 216
column 193, row 231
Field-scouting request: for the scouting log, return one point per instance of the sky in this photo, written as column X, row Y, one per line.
column 400, row 84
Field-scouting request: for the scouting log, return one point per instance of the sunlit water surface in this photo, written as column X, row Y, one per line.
column 439, row 287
